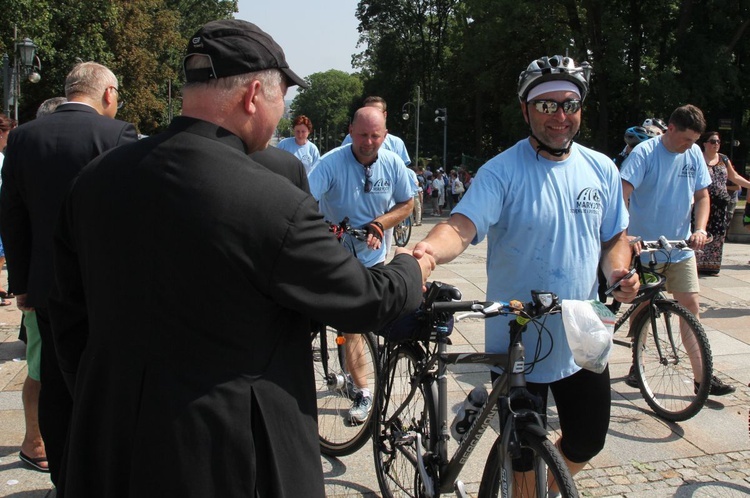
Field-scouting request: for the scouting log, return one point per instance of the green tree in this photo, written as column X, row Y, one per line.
column 284, row 128
column 647, row 59
column 142, row 41
column 327, row 102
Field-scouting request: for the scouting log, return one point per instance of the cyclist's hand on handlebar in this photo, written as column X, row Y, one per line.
column 698, row 239
column 374, row 234
column 628, row 288
column 635, row 244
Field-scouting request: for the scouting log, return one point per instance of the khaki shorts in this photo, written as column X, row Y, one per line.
column 33, row 344
column 682, row 276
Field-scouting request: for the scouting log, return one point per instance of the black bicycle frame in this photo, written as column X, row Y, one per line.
column 512, row 381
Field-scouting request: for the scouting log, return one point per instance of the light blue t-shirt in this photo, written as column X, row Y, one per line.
column 664, row 184
column 545, row 222
column 414, row 181
column 338, row 183
column 307, row 153
column 392, row 143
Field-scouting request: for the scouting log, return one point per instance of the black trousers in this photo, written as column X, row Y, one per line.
column 55, row 401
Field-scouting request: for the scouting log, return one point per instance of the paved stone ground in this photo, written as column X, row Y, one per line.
column 645, row 457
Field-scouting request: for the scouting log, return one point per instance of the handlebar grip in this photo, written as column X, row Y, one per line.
column 455, row 306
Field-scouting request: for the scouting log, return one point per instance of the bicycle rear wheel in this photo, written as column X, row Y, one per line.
column 402, row 232
column 546, row 462
column 336, row 391
column 662, row 357
column 400, row 419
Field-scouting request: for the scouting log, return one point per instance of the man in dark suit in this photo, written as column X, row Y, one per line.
column 43, row 158
column 210, row 393
column 283, row 163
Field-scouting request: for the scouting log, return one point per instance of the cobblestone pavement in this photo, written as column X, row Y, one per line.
column 707, row 456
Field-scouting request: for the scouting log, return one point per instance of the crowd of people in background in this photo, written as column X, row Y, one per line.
column 182, row 363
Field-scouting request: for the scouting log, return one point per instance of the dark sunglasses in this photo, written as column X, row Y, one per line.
column 714, row 141
column 550, row 106
column 368, row 182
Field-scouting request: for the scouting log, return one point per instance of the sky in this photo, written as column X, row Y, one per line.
column 316, row 35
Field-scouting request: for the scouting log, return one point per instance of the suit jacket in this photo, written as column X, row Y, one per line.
column 187, row 275
column 43, row 156
column 283, row 163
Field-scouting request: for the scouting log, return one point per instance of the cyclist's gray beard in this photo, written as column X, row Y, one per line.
column 541, row 146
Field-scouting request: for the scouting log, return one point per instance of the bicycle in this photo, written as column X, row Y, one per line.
column 410, row 438
column 335, row 388
column 662, row 363
column 402, row 232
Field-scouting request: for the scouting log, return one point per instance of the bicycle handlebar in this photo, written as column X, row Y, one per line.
column 542, row 303
column 343, row 228
column 662, row 243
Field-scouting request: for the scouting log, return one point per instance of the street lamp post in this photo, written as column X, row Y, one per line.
column 25, row 64
column 405, row 115
column 442, row 115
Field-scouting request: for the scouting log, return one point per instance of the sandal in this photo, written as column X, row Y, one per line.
column 34, row 462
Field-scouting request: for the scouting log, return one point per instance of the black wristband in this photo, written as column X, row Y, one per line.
column 375, row 228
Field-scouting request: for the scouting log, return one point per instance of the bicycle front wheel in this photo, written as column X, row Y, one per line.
column 402, row 232
column 546, row 466
column 343, row 366
column 402, row 415
column 672, row 360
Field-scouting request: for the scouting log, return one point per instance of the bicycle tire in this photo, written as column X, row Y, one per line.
column 402, row 232
column 394, row 444
column 667, row 384
column 338, row 434
column 547, row 459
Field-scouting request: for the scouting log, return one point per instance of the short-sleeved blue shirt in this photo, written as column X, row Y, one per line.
column 545, row 222
column 307, row 153
column 338, row 183
column 664, row 184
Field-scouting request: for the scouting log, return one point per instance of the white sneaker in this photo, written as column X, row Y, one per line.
column 360, row 409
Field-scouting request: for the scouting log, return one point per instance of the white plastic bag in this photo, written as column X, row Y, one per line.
column 589, row 327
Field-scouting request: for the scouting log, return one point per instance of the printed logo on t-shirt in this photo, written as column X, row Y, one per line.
column 589, row 201
column 381, row 185
column 688, row 171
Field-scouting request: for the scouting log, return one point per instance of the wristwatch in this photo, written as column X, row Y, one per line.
column 700, row 230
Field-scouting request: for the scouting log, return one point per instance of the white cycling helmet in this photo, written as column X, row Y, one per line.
column 655, row 122
column 554, row 68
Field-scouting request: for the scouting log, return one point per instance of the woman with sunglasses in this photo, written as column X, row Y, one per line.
column 720, row 168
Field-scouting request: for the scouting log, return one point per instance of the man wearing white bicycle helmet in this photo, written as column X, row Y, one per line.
column 552, row 213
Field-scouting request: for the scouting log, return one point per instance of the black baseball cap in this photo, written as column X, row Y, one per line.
column 233, row 47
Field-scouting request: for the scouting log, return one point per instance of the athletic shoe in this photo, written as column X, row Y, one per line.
column 718, row 388
column 361, row 409
column 631, row 379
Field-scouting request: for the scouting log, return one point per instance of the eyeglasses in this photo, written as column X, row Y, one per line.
column 120, row 102
column 714, row 141
column 550, row 106
column 368, row 182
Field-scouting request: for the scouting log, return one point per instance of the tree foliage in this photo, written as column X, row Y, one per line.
column 327, row 101
column 141, row 41
column 647, row 58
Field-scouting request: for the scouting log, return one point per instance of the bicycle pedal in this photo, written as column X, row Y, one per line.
column 460, row 489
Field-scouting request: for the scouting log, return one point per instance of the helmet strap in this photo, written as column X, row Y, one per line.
column 541, row 146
